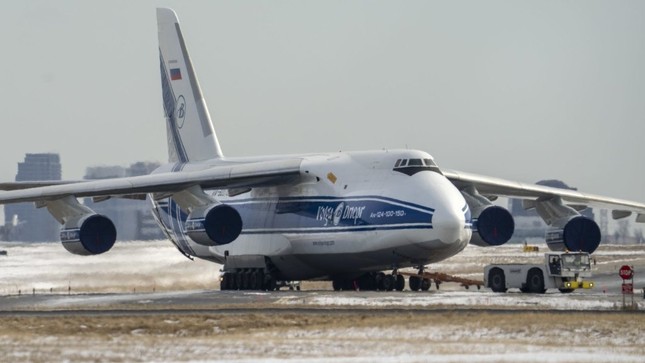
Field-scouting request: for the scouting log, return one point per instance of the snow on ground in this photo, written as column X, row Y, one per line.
column 144, row 266
column 158, row 266
column 472, row 298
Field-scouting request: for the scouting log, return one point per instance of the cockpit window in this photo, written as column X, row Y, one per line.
column 413, row 166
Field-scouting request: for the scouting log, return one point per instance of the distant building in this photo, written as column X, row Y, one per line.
column 528, row 223
column 33, row 224
column 132, row 218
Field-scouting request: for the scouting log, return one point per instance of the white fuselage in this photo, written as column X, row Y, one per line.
column 348, row 212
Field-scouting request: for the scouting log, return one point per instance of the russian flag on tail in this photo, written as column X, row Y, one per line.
column 175, row 74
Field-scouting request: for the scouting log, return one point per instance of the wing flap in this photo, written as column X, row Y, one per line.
column 230, row 176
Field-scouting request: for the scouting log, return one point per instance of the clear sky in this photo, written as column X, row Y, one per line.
column 519, row 90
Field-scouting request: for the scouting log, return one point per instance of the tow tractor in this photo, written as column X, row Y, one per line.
column 565, row 271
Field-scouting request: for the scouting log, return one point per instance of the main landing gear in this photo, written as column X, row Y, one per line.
column 380, row 281
column 248, row 279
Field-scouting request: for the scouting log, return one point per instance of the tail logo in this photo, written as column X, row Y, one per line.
column 180, row 113
column 175, row 74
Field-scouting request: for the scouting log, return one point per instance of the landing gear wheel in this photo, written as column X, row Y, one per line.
column 269, row 283
column 349, row 285
column 223, row 284
column 425, row 284
column 388, row 283
column 366, row 282
column 246, row 277
column 378, row 279
column 238, row 280
column 399, row 283
column 566, row 291
column 497, row 280
column 535, row 281
column 256, row 279
column 415, row 283
column 337, row 285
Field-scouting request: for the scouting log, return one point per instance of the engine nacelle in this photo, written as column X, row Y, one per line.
column 575, row 234
column 90, row 234
column 493, row 227
column 217, row 224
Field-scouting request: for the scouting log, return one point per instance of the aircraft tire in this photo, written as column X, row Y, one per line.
column 223, row 285
column 245, row 280
column 388, row 283
column 348, row 285
column 257, row 277
column 251, row 276
column 337, row 285
column 399, row 283
column 378, row 279
column 415, row 283
column 425, row 284
column 269, row 283
column 238, row 280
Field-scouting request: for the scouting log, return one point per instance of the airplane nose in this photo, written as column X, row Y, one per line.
column 450, row 225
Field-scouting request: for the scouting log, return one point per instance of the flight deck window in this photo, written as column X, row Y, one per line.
column 413, row 166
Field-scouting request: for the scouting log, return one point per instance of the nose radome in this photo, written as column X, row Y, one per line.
column 450, row 225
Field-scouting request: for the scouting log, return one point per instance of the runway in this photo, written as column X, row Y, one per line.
column 608, row 298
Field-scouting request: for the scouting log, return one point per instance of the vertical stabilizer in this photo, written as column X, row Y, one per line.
column 191, row 136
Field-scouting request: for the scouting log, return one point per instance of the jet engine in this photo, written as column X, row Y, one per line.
column 577, row 233
column 214, row 225
column 493, row 227
column 89, row 234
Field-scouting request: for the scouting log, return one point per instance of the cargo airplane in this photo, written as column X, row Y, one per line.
column 339, row 216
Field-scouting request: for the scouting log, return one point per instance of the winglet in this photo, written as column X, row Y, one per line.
column 191, row 136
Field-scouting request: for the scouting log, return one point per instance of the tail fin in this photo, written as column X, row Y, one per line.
column 191, row 136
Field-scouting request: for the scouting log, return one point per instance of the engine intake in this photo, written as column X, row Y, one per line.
column 578, row 234
column 493, row 227
column 91, row 234
column 215, row 225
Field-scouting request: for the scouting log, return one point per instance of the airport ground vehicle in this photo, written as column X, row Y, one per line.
column 565, row 271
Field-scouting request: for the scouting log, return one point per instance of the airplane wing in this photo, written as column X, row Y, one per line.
column 223, row 177
column 34, row 184
column 490, row 186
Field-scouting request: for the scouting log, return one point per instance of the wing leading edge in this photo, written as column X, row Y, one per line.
column 490, row 186
column 221, row 177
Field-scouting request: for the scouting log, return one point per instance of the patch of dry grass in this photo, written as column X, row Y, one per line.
column 290, row 334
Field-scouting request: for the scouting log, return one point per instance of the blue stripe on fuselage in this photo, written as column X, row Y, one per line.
column 308, row 215
column 329, row 214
